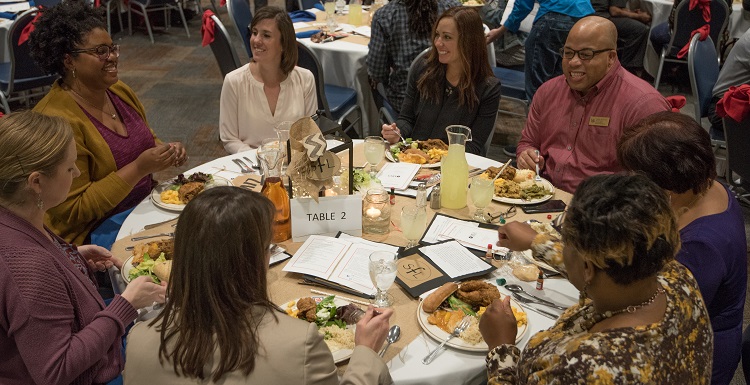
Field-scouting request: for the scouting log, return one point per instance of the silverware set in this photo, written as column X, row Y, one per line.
column 528, row 302
column 243, row 165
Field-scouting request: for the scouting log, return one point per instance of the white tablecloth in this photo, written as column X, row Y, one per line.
column 450, row 367
column 660, row 10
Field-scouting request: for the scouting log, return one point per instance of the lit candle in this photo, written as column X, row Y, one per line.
column 329, row 192
column 372, row 212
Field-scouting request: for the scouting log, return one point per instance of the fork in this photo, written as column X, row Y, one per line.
column 456, row 332
column 252, row 164
column 537, row 178
column 152, row 236
column 528, row 302
column 243, row 166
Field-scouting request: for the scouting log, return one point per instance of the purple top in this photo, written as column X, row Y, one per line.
column 714, row 248
column 126, row 149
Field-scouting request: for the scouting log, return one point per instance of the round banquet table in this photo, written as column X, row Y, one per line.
column 405, row 356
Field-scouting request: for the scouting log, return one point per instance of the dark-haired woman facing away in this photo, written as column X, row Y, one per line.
column 219, row 325
column 454, row 85
column 400, row 31
column 117, row 150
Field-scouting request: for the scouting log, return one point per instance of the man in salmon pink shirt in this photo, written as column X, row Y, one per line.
column 576, row 119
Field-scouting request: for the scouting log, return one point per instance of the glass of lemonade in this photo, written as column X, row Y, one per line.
column 330, row 7
column 374, row 152
column 481, row 194
column 413, row 224
column 383, row 273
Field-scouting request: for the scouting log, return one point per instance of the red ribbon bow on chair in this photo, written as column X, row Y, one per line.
column 705, row 7
column 29, row 28
column 207, row 28
column 704, row 31
column 735, row 103
column 676, row 102
column 223, row 3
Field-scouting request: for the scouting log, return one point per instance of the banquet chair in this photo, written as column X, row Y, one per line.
column 339, row 103
column 737, row 136
column 146, row 6
column 703, row 69
column 307, row 4
column 223, row 50
column 241, row 15
column 108, row 6
column 21, row 78
column 685, row 22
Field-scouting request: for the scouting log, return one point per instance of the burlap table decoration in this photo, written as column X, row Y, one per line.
column 311, row 167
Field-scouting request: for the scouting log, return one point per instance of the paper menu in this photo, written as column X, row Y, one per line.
column 470, row 236
column 344, row 260
column 454, row 259
column 398, row 175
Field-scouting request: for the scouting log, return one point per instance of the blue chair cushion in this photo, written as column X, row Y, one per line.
column 306, row 34
column 340, row 99
column 512, row 82
column 298, row 16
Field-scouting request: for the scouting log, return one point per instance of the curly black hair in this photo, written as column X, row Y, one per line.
column 623, row 224
column 60, row 30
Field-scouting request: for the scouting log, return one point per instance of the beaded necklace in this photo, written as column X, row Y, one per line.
column 589, row 318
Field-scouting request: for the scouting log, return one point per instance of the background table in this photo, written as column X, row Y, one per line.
column 405, row 356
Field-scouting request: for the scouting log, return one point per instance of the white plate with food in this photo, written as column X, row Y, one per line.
column 142, row 252
column 471, row 340
column 339, row 339
column 518, row 187
column 426, row 153
column 174, row 195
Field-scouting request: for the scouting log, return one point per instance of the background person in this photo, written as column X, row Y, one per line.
column 117, row 151
column 222, row 326
column 269, row 90
column 400, row 31
column 640, row 318
column 453, row 85
column 54, row 326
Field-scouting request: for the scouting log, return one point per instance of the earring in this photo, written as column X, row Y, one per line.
column 583, row 295
column 39, row 202
column 74, row 73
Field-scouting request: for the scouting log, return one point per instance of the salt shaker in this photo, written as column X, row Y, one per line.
column 435, row 198
column 421, row 195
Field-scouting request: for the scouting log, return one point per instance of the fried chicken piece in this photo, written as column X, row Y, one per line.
column 508, row 174
column 429, row 144
column 154, row 249
column 307, row 309
column 478, row 293
column 190, row 190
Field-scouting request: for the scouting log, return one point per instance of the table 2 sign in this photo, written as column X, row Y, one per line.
column 328, row 216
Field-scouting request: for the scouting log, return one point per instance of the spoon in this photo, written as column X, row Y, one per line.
column 393, row 335
column 542, row 301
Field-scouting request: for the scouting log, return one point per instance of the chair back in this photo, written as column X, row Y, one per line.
column 687, row 21
column 22, row 65
column 417, row 60
column 306, row 59
column 223, row 49
column 737, row 136
column 703, row 68
column 241, row 15
column 46, row 3
column 307, row 4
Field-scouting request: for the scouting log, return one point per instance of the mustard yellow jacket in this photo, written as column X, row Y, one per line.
column 98, row 190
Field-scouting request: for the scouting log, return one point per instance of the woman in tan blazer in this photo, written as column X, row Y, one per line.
column 219, row 325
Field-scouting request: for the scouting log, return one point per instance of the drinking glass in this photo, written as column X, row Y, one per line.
column 330, row 7
column 413, row 224
column 374, row 152
column 383, row 274
column 282, row 131
column 481, row 193
column 270, row 157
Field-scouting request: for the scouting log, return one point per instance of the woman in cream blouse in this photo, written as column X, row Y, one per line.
column 270, row 89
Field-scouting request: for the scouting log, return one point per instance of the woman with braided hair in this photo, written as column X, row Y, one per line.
column 400, row 31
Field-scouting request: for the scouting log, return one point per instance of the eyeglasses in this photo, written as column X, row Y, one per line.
column 583, row 54
column 502, row 216
column 101, row 51
column 558, row 222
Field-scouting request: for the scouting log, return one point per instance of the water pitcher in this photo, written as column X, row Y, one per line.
column 455, row 169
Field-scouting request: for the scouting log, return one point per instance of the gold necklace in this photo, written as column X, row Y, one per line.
column 113, row 115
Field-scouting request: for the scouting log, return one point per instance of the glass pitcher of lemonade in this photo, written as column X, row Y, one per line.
column 455, row 169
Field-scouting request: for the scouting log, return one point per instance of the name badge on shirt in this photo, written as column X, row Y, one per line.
column 601, row 121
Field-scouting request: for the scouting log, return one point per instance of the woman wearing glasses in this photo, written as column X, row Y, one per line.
column 117, row 151
column 640, row 317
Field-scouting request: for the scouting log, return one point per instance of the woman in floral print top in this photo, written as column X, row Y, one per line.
column 641, row 320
